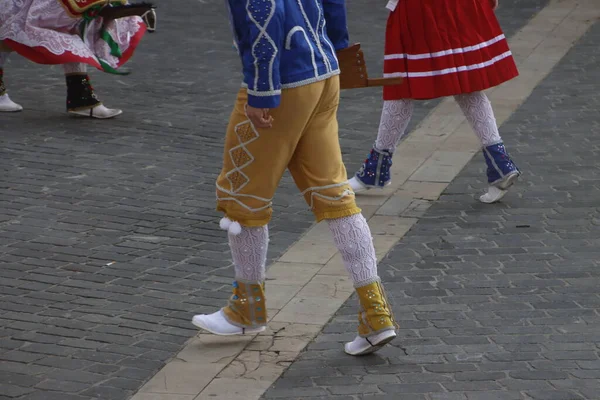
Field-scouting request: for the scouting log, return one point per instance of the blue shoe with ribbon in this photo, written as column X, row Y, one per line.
column 374, row 173
column 502, row 172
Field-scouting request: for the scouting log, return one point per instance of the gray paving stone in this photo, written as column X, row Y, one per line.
column 361, row 390
column 104, row 369
column 405, row 396
column 320, row 398
column 553, row 395
column 10, row 391
column 62, row 386
column 122, row 383
column 519, row 384
column 74, row 376
column 411, row 388
column 495, row 395
column 107, row 393
column 333, row 381
column 447, row 396
column 15, row 379
column 471, row 386
column 538, row 375
column 48, row 395
column 479, row 376
column 299, row 391
column 64, row 362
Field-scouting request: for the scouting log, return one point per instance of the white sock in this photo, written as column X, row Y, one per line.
column 395, row 117
column 75, row 68
column 480, row 114
column 249, row 253
column 352, row 237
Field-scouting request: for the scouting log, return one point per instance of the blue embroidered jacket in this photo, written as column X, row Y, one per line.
column 286, row 43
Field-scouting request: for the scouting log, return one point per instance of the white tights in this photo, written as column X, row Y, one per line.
column 351, row 235
column 75, row 68
column 353, row 239
column 476, row 107
column 249, row 253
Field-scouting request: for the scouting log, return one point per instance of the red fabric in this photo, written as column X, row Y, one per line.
column 417, row 29
column 133, row 44
column 41, row 55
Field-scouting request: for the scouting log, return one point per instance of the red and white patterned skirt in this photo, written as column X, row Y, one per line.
column 445, row 47
column 46, row 32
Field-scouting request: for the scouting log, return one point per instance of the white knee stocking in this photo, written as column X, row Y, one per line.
column 478, row 111
column 352, row 237
column 395, row 117
column 75, row 68
column 249, row 252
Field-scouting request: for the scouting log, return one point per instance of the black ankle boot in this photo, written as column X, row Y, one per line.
column 80, row 93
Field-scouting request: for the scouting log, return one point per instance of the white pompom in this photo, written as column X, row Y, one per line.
column 225, row 223
column 235, row 228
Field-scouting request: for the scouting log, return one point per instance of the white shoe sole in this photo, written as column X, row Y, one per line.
column 100, row 112
column 11, row 109
column 359, row 187
column 373, row 344
column 200, row 324
column 496, row 193
column 510, row 180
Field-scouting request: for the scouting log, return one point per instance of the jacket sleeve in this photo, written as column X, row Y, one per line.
column 265, row 28
column 335, row 18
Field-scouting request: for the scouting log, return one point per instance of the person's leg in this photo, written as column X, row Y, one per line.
column 246, row 310
column 375, row 171
column 254, row 162
column 81, row 98
column 376, row 327
column 6, row 104
column 501, row 170
column 320, row 174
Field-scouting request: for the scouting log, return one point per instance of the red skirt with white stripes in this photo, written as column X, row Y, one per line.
column 443, row 48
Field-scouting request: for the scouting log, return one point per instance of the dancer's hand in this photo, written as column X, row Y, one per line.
column 494, row 4
column 259, row 117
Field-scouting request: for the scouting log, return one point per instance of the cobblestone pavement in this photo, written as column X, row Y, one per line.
column 108, row 238
column 494, row 302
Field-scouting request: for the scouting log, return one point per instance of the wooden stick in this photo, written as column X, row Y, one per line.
column 128, row 10
column 354, row 73
column 384, row 82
